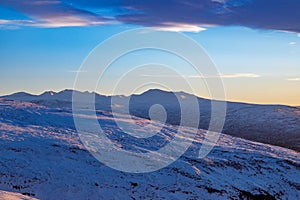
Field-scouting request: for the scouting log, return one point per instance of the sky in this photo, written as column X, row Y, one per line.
column 254, row 44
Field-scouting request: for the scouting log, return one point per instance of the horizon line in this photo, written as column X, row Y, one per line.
column 145, row 91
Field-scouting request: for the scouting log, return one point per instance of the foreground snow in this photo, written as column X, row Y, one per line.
column 42, row 156
column 14, row 196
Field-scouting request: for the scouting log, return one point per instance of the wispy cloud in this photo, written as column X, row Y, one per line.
column 293, row 79
column 241, row 75
column 44, row 2
column 238, row 75
column 16, row 22
column 49, row 14
column 292, row 43
column 77, row 71
column 69, row 21
column 268, row 14
column 179, row 27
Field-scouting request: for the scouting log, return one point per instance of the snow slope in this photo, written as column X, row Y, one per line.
column 42, row 157
column 14, row 196
column 271, row 124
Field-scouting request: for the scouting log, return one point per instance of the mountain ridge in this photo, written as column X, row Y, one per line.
column 272, row 124
column 12, row 95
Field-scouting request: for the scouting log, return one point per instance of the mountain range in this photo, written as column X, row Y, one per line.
column 272, row 124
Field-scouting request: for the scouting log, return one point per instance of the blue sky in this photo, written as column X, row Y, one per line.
column 255, row 44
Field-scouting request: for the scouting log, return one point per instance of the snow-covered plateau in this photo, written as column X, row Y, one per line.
column 43, row 157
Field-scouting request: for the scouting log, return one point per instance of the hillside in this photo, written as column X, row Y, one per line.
column 271, row 124
column 42, row 157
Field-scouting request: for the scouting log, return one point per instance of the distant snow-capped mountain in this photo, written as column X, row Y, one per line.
column 271, row 124
column 42, row 157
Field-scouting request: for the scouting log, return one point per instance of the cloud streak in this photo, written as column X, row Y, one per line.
column 237, row 75
column 293, row 79
column 241, row 75
column 47, row 14
column 76, row 71
column 177, row 27
column 266, row 14
column 67, row 21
